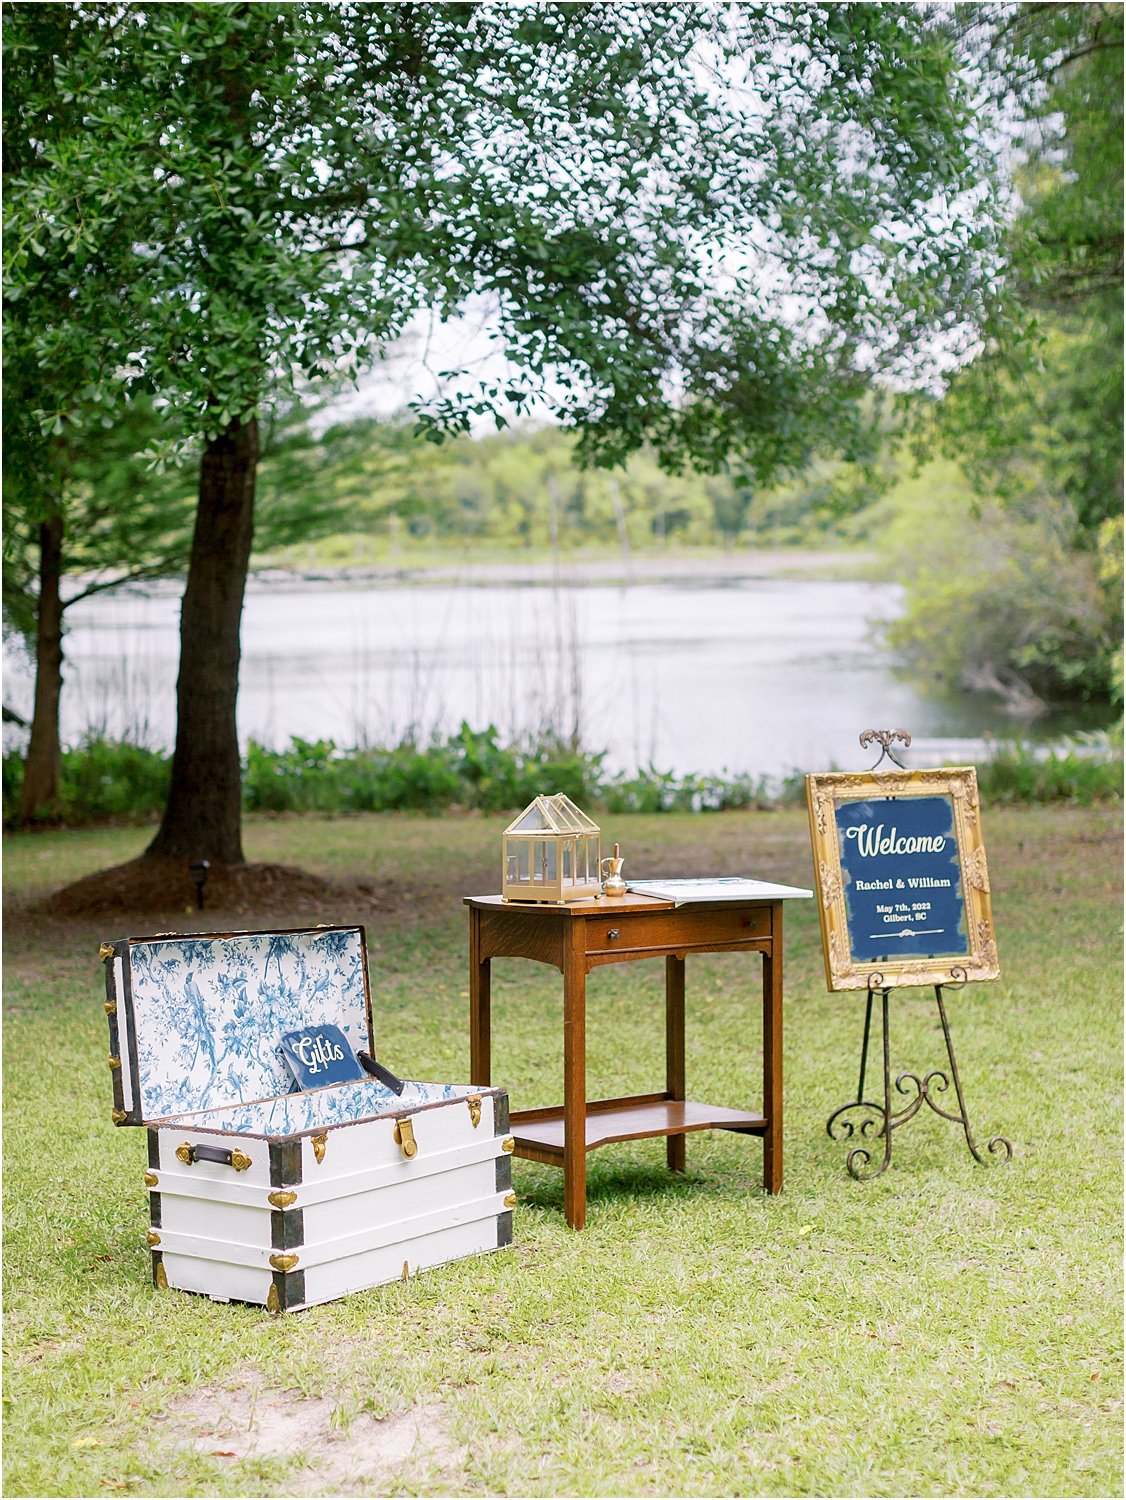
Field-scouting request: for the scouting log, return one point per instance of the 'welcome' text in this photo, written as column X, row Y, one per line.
column 871, row 842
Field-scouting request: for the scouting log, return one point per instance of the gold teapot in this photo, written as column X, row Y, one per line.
column 612, row 882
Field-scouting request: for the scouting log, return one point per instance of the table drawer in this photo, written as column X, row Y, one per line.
column 686, row 928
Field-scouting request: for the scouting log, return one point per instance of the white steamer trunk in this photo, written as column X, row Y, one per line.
column 266, row 1195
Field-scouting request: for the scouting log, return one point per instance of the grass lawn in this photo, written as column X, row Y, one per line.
column 949, row 1329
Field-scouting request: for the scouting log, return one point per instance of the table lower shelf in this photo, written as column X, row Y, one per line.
column 539, row 1132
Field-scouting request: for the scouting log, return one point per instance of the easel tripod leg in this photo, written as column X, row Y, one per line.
column 838, row 1128
column 864, row 1047
column 997, row 1143
column 860, row 1157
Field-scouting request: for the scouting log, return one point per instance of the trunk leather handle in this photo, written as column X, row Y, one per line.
column 189, row 1155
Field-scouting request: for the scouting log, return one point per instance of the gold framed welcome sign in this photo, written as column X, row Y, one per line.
column 904, row 886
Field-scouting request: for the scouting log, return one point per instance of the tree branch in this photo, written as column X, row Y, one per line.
column 138, row 575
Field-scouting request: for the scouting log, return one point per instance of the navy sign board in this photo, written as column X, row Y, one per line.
column 320, row 1055
column 902, row 877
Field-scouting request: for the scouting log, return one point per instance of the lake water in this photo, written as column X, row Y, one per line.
column 758, row 674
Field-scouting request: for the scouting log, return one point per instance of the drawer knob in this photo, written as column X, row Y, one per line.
column 615, row 932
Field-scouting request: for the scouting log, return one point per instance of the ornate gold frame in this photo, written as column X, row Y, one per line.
column 959, row 783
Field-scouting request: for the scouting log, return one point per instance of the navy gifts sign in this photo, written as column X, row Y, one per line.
column 320, row 1055
column 903, row 880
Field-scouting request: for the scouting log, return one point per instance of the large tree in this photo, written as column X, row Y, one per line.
column 705, row 228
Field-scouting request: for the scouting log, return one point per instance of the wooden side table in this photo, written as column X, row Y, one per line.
column 584, row 935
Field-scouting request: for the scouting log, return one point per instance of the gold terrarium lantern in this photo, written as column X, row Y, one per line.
column 552, row 852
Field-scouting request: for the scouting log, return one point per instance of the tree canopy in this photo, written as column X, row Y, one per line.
column 693, row 226
column 702, row 228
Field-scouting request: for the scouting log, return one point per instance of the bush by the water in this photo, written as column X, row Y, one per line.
column 470, row 769
column 104, row 781
column 1085, row 771
column 101, row 780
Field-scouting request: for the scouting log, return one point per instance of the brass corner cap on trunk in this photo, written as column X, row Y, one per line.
column 118, row 1116
column 283, row 1199
column 283, row 1262
column 151, row 1179
column 105, row 951
column 508, row 1144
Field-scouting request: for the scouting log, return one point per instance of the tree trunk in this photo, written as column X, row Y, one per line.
column 203, row 819
column 42, row 769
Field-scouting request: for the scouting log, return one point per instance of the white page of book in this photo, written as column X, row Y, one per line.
column 716, row 888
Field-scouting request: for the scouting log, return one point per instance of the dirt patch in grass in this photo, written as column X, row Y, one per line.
column 164, row 887
column 331, row 1454
column 145, row 894
column 133, row 900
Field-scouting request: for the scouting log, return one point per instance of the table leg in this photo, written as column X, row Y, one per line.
column 675, row 1082
column 480, row 1008
column 772, row 1056
column 574, row 1075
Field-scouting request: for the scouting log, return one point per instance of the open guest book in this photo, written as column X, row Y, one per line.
column 715, row 888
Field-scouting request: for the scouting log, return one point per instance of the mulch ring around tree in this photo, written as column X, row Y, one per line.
column 164, row 887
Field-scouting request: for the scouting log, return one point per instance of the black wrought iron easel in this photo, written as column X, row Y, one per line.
column 880, row 1121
